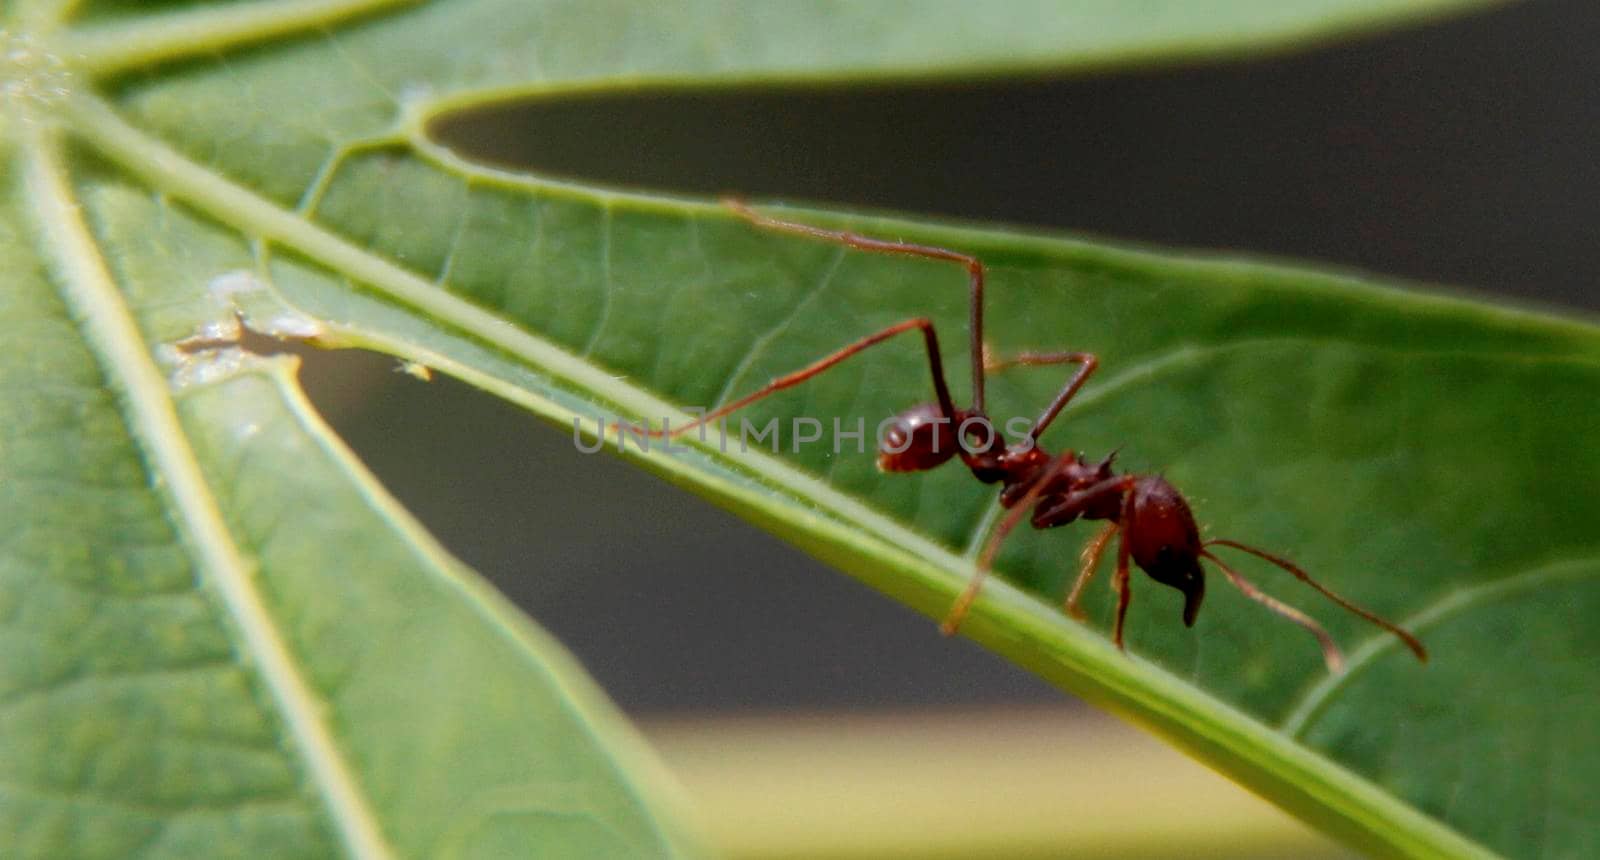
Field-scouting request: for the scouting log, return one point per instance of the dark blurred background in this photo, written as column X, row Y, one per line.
column 1457, row 153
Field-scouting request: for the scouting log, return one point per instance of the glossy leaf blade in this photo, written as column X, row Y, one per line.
column 270, row 161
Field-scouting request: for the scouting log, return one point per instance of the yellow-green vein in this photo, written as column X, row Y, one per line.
column 152, row 39
column 141, row 391
column 1439, row 611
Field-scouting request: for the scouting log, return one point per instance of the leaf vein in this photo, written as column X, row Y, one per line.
column 1441, row 609
column 759, row 346
column 107, row 49
column 607, row 217
column 109, row 328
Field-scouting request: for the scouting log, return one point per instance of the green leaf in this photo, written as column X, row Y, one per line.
column 220, row 635
column 219, row 632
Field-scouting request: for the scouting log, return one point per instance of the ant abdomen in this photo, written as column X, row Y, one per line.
column 1165, row 542
column 1164, row 522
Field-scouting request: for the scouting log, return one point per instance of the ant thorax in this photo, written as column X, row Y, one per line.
column 1027, row 466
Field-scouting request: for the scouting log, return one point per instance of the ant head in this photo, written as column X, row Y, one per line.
column 1181, row 571
column 919, row 438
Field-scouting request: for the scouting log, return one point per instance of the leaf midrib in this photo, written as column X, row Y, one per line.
column 110, row 332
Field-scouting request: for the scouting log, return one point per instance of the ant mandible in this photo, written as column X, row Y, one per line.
column 1157, row 529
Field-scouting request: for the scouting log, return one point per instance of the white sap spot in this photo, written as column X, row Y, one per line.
column 227, row 285
column 414, row 93
column 415, row 368
column 215, row 330
column 243, row 296
column 290, row 325
column 212, row 365
column 242, row 300
column 413, row 99
column 33, row 79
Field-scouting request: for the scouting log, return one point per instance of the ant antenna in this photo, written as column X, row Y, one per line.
column 1330, row 651
column 1411, row 641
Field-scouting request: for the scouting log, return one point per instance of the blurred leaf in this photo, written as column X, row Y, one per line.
column 1041, row 782
column 221, row 636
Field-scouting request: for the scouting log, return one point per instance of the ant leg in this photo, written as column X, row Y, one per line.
column 1088, row 561
column 931, row 340
column 1330, row 651
column 1119, row 580
column 1086, row 361
column 973, row 265
column 1075, row 500
column 991, row 546
column 1411, row 641
column 1074, row 503
column 958, row 610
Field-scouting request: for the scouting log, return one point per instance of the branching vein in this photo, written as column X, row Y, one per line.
column 208, row 30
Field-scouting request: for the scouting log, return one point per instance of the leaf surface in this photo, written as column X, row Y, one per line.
column 247, row 615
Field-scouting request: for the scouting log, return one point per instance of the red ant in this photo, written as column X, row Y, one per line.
column 1157, row 528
